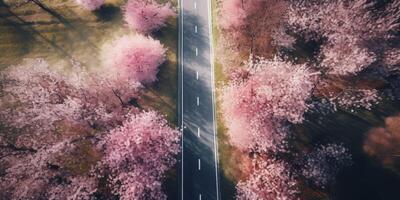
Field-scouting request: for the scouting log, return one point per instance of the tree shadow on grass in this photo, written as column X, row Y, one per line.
column 28, row 31
column 108, row 13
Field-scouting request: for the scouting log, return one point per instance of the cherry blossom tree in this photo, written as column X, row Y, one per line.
column 254, row 108
column 339, row 59
column 321, row 165
column 139, row 153
column 35, row 98
column 90, row 4
column 270, row 180
column 134, row 57
column 277, row 179
column 46, row 115
column 146, row 16
column 40, row 175
column 38, row 101
column 248, row 25
column 354, row 31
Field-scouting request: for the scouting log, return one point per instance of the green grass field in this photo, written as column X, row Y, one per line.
column 61, row 30
column 58, row 30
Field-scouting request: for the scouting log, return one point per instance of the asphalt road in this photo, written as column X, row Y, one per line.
column 199, row 159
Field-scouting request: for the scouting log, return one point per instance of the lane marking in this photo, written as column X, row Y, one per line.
column 199, row 164
column 197, row 51
column 213, row 92
column 198, row 132
column 195, row 29
column 195, row 5
column 198, row 101
column 197, row 75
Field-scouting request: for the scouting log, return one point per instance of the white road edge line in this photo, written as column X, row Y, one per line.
column 199, row 164
column 213, row 95
column 181, row 60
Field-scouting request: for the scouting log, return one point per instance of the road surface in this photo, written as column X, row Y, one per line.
column 199, row 158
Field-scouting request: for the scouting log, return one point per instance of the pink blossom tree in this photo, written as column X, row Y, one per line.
column 90, row 4
column 45, row 115
column 321, row 165
column 339, row 59
column 139, row 153
column 254, row 108
column 349, row 27
column 248, row 25
column 270, row 180
column 40, row 175
column 134, row 57
column 146, row 16
column 37, row 101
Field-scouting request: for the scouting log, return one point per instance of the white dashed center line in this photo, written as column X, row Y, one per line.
column 198, row 101
column 199, row 164
column 199, row 196
column 195, row 5
column 197, row 51
column 197, row 75
column 198, row 131
column 195, row 29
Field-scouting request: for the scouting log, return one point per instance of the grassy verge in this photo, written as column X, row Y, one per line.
column 229, row 157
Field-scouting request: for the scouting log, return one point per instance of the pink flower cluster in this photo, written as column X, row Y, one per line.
column 135, row 57
column 271, row 180
column 350, row 27
column 234, row 12
column 39, row 175
column 355, row 98
column 246, row 26
column 40, row 103
column 39, row 100
column 146, row 16
column 322, row 164
column 254, row 108
column 139, row 153
column 41, row 106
